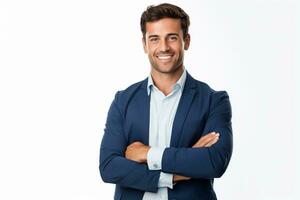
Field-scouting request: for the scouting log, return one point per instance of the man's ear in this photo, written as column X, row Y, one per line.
column 144, row 44
column 187, row 41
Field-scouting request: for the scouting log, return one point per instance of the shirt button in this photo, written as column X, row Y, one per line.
column 155, row 166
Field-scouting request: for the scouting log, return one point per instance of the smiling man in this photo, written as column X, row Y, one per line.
column 170, row 135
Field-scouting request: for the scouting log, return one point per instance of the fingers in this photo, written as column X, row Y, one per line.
column 177, row 178
column 137, row 143
column 209, row 144
column 207, row 140
column 136, row 152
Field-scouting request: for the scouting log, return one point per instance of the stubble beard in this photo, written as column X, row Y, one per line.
column 161, row 69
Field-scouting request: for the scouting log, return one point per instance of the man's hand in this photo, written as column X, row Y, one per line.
column 205, row 141
column 177, row 178
column 137, row 151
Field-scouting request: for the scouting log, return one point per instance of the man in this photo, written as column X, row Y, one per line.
column 168, row 136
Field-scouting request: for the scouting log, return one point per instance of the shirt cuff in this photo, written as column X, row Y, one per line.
column 154, row 158
column 165, row 180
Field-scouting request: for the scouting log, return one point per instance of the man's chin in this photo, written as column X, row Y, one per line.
column 166, row 70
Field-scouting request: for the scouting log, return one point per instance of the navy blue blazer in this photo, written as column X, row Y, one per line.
column 201, row 110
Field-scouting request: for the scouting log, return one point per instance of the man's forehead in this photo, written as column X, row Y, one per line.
column 163, row 26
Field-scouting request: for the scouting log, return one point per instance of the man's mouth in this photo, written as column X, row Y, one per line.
column 165, row 57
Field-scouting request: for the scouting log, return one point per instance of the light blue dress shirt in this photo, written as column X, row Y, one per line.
column 162, row 113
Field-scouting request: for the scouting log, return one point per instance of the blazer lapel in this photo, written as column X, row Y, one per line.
column 144, row 111
column 182, row 110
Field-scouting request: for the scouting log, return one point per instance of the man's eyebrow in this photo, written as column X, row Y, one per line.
column 152, row 36
column 172, row 34
column 169, row 34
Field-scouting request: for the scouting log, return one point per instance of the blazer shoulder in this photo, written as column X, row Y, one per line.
column 122, row 97
column 205, row 89
column 209, row 93
column 216, row 100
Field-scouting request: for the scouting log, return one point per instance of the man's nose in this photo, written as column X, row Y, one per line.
column 164, row 46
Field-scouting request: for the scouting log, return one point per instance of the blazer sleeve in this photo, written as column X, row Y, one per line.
column 206, row 162
column 114, row 167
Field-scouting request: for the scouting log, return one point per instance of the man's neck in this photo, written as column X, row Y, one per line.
column 165, row 81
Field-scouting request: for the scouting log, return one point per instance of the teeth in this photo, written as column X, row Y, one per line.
column 164, row 57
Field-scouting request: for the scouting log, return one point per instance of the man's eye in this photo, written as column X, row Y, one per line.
column 173, row 38
column 153, row 39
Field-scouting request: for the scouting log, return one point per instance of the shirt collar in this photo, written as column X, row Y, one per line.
column 180, row 83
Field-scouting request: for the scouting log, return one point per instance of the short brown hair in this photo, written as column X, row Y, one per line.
column 165, row 10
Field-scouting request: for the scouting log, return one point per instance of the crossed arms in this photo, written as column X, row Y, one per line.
column 138, row 151
column 207, row 158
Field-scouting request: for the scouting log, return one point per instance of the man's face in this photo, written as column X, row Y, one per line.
column 165, row 45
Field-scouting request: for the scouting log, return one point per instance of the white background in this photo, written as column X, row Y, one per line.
column 62, row 62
